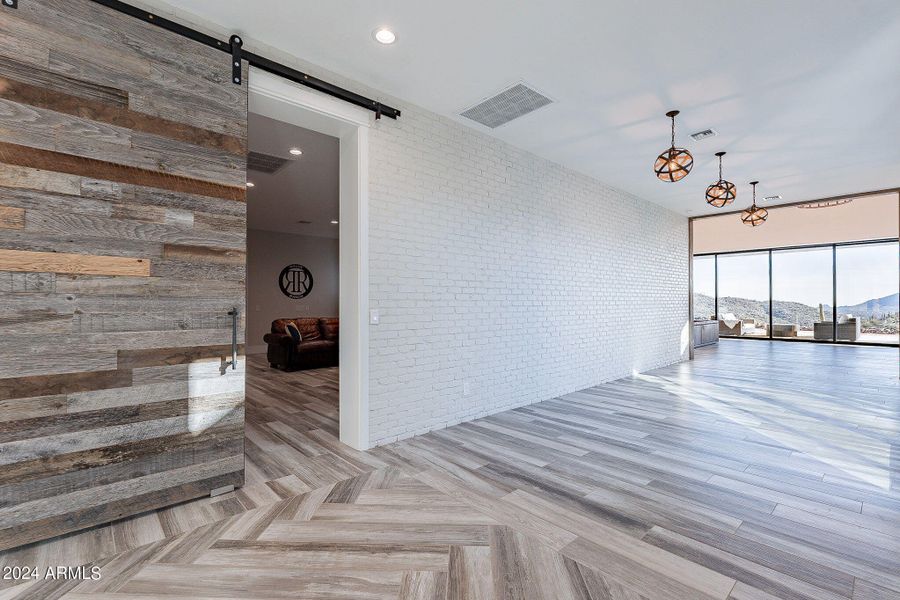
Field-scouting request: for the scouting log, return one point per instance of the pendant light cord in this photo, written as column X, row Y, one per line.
column 720, row 168
column 673, row 131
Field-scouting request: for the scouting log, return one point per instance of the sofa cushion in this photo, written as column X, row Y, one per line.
column 279, row 325
column 329, row 327
column 309, row 328
column 316, row 346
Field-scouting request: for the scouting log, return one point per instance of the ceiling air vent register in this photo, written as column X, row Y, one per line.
column 264, row 163
column 702, row 135
column 510, row 104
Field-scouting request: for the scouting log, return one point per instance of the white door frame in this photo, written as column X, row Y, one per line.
column 284, row 100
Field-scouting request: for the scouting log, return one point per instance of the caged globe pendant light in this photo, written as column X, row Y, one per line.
column 754, row 216
column 722, row 192
column 675, row 163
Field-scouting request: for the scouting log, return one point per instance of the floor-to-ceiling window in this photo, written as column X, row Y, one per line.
column 802, row 293
column 790, row 293
column 743, row 287
column 867, row 284
column 704, row 287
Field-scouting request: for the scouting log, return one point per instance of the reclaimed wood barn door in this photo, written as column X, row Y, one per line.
column 122, row 250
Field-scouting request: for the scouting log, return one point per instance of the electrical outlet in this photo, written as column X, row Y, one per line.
column 467, row 388
column 374, row 317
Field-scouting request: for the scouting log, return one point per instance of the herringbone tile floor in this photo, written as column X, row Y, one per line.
column 759, row 471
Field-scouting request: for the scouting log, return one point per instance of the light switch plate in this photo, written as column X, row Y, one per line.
column 374, row 317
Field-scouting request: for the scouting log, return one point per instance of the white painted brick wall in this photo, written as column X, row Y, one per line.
column 494, row 267
column 512, row 275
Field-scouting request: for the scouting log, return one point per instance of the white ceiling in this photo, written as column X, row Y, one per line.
column 804, row 94
column 305, row 189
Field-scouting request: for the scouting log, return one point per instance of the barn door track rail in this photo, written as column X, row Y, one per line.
column 234, row 48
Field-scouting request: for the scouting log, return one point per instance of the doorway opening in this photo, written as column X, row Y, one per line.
column 292, row 279
column 307, row 271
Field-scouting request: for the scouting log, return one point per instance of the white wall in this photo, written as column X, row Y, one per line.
column 268, row 252
column 503, row 279
column 494, row 267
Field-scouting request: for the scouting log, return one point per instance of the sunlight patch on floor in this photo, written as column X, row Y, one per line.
column 777, row 419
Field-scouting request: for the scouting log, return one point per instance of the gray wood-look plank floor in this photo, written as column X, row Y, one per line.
column 760, row 470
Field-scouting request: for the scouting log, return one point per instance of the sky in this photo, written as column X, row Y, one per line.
column 864, row 272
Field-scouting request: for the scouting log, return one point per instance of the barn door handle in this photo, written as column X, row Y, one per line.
column 233, row 313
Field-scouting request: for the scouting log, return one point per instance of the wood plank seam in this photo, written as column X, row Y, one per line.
column 81, row 264
column 25, row 156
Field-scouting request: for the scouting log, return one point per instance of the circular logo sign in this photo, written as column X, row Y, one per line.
column 295, row 281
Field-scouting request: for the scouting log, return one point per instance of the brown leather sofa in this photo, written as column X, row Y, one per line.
column 318, row 345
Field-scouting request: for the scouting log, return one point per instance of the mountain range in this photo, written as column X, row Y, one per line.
column 874, row 308
column 794, row 312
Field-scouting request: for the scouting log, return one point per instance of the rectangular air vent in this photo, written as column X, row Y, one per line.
column 509, row 104
column 263, row 163
column 702, row 135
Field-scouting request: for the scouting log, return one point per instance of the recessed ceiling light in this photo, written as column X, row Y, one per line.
column 385, row 36
column 334, row 222
column 250, row 184
column 296, row 151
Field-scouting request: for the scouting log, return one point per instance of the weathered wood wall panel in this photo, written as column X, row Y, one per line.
column 122, row 248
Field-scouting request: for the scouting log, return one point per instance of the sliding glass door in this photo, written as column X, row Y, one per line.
column 744, row 294
column 704, row 287
column 802, row 293
column 867, row 289
column 790, row 293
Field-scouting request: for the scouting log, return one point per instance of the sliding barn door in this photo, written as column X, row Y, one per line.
column 122, row 251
